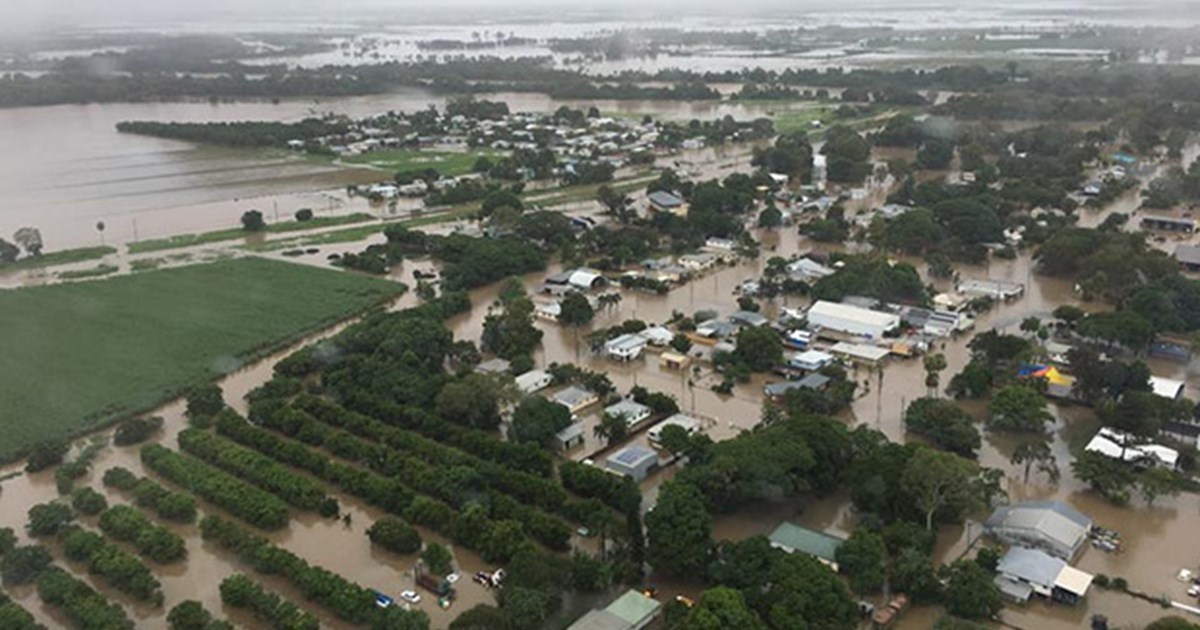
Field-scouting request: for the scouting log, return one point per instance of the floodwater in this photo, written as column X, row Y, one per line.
column 74, row 170
column 1155, row 537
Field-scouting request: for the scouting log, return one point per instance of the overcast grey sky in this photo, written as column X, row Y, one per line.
column 26, row 14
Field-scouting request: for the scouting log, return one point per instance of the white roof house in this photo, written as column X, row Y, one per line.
column 688, row 423
column 811, row 360
column 996, row 289
column 852, row 320
column 1022, row 571
column 631, row 411
column 1052, row 526
column 657, row 335
column 807, row 269
column 586, row 279
column 860, row 352
column 626, row 347
column 533, row 381
column 493, row 366
column 576, row 397
column 1125, row 447
column 1166, row 387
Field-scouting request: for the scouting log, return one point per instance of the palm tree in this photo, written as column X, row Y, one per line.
column 934, row 364
column 612, row 428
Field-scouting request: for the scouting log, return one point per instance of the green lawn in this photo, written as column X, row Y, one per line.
column 448, row 163
column 61, row 257
column 217, row 236
column 82, row 354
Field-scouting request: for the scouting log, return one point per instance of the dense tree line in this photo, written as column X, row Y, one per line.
column 84, row 607
column 349, row 601
column 149, row 494
column 257, row 507
column 126, row 524
column 110, row 563
column 240, row 591
column 13, row 617
column 872, row 276
column 191, row 615
column 238, row 134
column 299, row 491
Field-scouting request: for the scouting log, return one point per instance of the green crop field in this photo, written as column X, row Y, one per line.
column 82, row 354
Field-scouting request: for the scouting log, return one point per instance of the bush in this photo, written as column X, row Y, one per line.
column 126, row 524
column 45, row 455
column 23, row 564
column 191, row 615
column 250, row 466
column 83, row 606
column 395, row 535
column 136, row 430
column 113, row 565
column 8, row 540
column 88, row 501
column 204, row 402
column 437, row 558
column 240, row 591
column 304, row 214
column 256, row 507
column 147, row 493
column 46, row 519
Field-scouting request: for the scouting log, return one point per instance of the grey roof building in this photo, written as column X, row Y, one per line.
column 634, row 462
column 1051, row 526
column 1188, row 257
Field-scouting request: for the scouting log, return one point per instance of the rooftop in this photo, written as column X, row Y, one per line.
column 805, row 540
column 852, row 313
column 632, row 456
column 1053, row 519
column 664, row 199
column 1189, row 254
column 634, row 608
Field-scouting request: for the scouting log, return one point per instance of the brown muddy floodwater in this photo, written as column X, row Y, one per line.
column 1158, row 540
column 73, row 169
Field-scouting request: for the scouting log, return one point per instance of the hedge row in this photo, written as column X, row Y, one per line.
column 538, row 489
column 149, row 494
column 527, row 458
column 450, row 483
column 384, row 492
column 260, row 509
column 83, row 606
column 257, row 469
column 110, row 563
column 344, row 598
column 126, row 524
column 13, row 617
column 617, row 492
column 240, row 591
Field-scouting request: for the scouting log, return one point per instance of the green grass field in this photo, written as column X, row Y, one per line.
column 80, row 355
column 446, row 162
column 218, row 236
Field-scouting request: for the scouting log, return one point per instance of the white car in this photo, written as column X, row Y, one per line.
column 452, row 578
column 411, row 597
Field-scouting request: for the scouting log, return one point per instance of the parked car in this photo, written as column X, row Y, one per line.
column 483, row 577
column 411, row 597
column 453, row 578
column 381, row 600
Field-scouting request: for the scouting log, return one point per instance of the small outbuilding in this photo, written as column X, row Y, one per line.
column 576, row 398
column 631, row 411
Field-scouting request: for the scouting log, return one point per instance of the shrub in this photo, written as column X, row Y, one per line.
column 191, row 615
column 136, row 430
column 147, row 493
column 120, row 478
column 260, row 470
column 256, row 507
column 83, row 606
column 46, row 454
column 8, row 540
column 23, row 564
column 126, row 524
column 111, row 564
column 395, row 535
column 88, row 501
column 437, row 558
column 240, row 591
column 46, row 519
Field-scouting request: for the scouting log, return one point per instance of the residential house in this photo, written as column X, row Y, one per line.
column 1182, row 432
column 635, row 462
column 809, row 360
column 627, row 347
column 698, row 262
column 663, row 201
column 570, row 437
column 682, row 420
column 494, row 366
column 715, row 329
column 1023, row 572
column 1051, row 526
column 748, row 319
column 674, row 360
column 814, row 382
column 807, row 270
column 631, row 411
column 576, row 398
column 1188, row 257
column 631, row 611
column 1118, row 445
column 1167, row 387
column 796, row 539
column 995, row 289
column 533, row 381
column 860, row 353
column 1168, row 224
column 657, row 335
